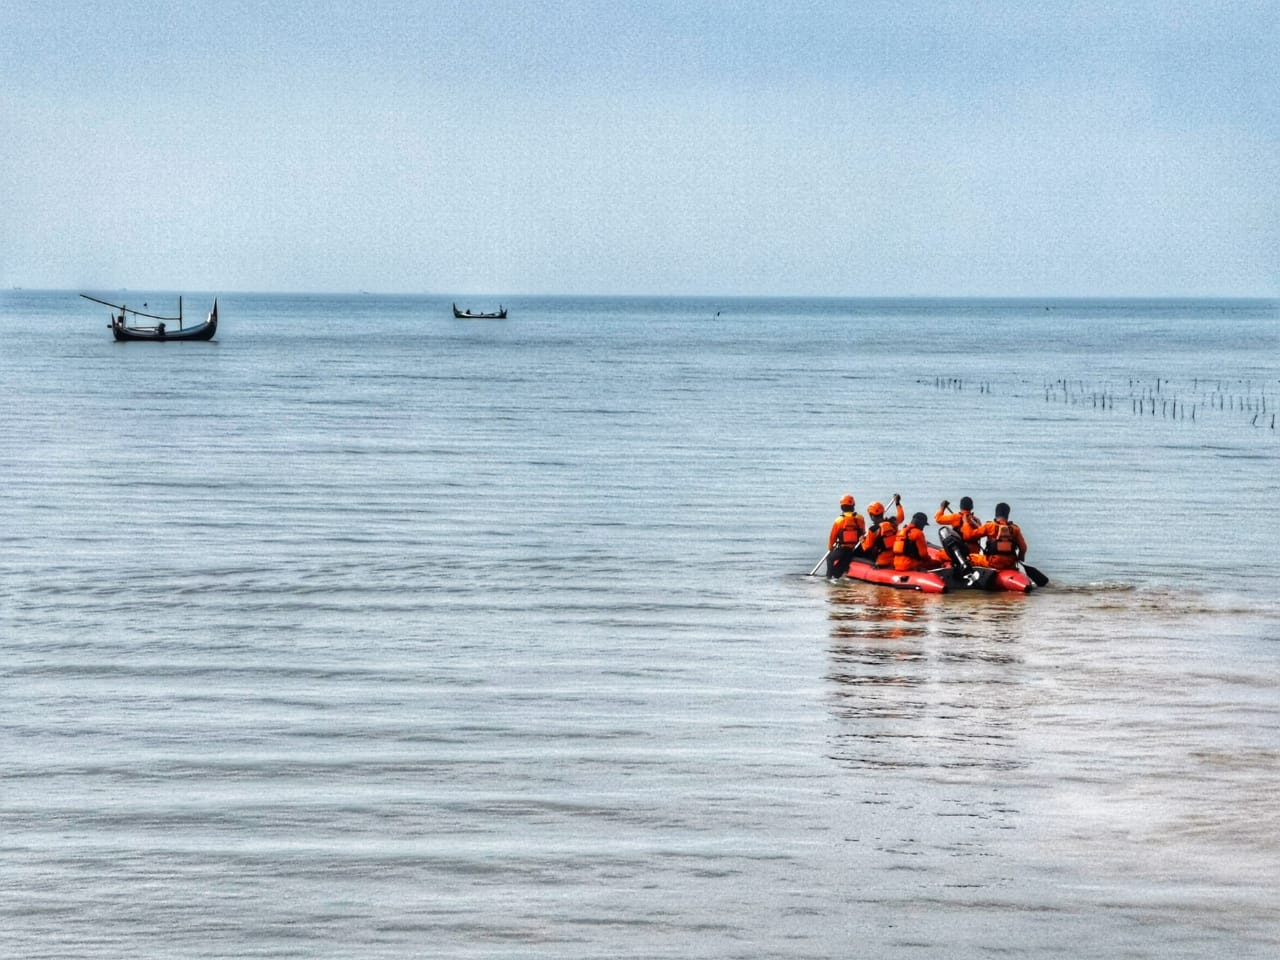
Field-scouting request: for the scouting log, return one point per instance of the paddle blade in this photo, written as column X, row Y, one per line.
column 1038, row 578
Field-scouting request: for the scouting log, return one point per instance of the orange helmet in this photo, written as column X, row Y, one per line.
column 876, row 508
column 846, row 500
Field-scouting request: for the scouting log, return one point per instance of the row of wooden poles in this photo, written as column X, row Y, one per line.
column 1153, row 398
column 1156, row 398
column 958, row 383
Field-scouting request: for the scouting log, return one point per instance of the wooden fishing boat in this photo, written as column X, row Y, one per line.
column 123, row 330
column 501, row 314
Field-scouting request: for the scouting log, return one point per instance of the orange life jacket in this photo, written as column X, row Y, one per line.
column 1004, row 542
column 905, row 544
column 879, row 537
column 851, row 529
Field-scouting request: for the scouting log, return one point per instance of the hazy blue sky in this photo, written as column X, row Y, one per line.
column 793, row 148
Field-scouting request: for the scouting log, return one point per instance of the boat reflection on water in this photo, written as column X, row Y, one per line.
column 925, row 682
column 859, row 613
column 868, row 615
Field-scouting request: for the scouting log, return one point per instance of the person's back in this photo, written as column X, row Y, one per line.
column 910, row 549
column 877, row 544
column 889, row 524
column 845, row 535
column 1005, row 546
column 964, row 522
column 848, row 527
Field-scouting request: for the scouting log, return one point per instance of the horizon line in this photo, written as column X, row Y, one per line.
column 1048, row 297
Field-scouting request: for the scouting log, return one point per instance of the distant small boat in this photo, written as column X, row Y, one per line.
column 122, row 330
column 469, row 315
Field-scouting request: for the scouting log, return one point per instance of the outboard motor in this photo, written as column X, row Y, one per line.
column 954, row 548
column 963, row 573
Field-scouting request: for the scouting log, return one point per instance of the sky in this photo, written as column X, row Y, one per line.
column 743, row 148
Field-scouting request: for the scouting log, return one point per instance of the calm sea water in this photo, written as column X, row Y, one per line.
column 367, row 632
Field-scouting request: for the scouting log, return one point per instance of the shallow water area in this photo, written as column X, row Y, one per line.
column 367, row 631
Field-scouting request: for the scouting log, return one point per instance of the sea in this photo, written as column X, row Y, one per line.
column 367, row 632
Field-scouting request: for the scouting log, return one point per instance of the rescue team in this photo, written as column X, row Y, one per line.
column 885, row 541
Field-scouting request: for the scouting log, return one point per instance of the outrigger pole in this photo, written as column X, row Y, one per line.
column 137, row 313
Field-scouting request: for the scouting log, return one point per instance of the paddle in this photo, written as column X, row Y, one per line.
column 1038, row 578
column 820, row 562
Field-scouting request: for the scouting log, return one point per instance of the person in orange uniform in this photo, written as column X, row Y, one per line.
column 877, row 545
column 1005, row 546
column 910, row 549
column 963, row 523
column 845, row 535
